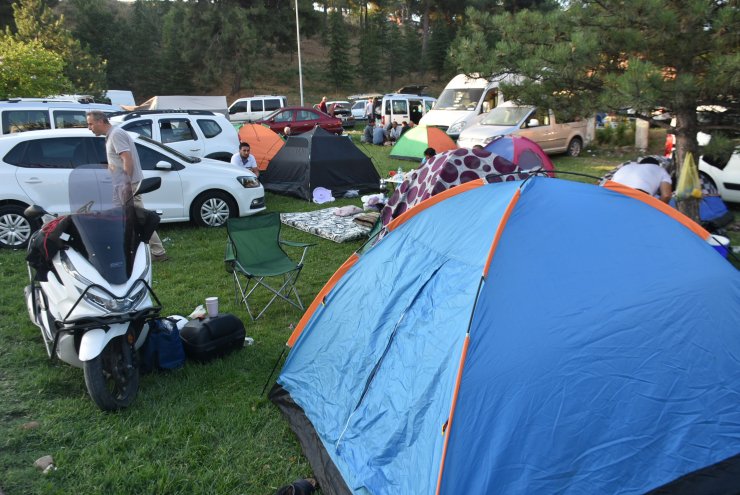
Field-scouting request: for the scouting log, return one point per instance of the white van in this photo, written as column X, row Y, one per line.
column 255, row 107
column 397, row 107
column 463, row 99
column 19, row 115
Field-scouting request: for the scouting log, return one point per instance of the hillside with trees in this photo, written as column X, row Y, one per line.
column 580, row 56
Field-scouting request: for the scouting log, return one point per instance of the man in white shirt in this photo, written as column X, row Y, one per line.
column 646, row 177
column 125, row 168
column 369, row 110
column 244, row 159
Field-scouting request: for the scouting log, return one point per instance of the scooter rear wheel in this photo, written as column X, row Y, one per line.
column 112, row 378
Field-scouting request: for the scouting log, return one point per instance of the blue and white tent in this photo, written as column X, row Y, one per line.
column 543, row 336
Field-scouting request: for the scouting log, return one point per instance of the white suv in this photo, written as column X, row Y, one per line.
column 35, row 168
column 198, row 133
column 255, row 107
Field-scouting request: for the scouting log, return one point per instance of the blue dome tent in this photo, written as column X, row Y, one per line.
column 565, row 338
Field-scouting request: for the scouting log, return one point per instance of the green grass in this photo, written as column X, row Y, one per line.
column 202, row 429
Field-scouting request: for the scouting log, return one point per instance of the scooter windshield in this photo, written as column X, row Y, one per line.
column 103, row 232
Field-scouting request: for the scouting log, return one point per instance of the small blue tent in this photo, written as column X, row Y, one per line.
column 565, row 338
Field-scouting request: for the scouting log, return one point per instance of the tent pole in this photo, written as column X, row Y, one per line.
column 298, row 38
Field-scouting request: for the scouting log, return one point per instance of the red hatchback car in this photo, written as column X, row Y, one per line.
column 301, row 119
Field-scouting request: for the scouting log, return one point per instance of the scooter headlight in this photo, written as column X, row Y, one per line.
column 116, row 305
column 101, row 299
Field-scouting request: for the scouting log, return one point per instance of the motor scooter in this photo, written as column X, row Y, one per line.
column 90, row 284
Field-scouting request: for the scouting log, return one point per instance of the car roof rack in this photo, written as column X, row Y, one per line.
column 413, row 89
column 140, row 113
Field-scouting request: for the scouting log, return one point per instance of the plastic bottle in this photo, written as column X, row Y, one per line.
column 399, row 174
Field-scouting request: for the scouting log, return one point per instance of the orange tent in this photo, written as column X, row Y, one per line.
column 263, row 143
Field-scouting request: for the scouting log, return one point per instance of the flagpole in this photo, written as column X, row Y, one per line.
column 298, row 37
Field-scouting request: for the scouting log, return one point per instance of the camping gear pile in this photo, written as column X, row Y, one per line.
column 538, row 336
column 173, row 339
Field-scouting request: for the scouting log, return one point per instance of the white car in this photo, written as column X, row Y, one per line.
column 358, row 109
column 724, row 176
column 199, row 133
column 35, row 168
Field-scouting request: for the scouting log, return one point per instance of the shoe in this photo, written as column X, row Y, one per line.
column 160, row 257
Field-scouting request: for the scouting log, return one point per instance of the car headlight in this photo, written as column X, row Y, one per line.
column 456, row 128
column 488, row 140
column 248, row 181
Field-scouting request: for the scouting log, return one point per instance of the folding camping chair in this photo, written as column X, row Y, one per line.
column 254, row 251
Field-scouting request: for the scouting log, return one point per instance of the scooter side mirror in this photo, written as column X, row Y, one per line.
column 149, row 184
column 34, row 211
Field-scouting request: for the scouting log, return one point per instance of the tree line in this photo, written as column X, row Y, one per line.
column 578, row 56
column 169, row 47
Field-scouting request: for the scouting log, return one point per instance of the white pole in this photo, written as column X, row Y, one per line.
column 298, row 37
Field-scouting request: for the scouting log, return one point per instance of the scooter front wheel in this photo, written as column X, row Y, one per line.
column 112, row 377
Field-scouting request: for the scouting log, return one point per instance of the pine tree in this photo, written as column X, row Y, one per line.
column 370, row 52
column 339, row 70
column 36, row 22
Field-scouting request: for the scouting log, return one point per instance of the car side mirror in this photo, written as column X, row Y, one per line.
column 34, row 211
column 533, row 123
column 163, row 165
column 232, row 111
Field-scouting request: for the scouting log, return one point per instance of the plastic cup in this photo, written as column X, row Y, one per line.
column 212, row 306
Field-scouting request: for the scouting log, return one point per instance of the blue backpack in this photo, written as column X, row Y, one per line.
column 163, row 348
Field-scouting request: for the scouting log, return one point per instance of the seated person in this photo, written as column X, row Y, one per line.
column 428, row 155
column 394, row 133
column 367, row 134
column 244, row 159
column 379, row 136
column 404, row 127
column 646, row 177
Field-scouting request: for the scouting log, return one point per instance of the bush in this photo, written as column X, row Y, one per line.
column 621, row 135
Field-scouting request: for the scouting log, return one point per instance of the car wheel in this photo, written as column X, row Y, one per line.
column 574, row 147
column 212, row 209
column 708, row 186
column 15, row 229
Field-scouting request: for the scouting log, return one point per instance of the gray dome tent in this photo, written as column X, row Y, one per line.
column 319, row 159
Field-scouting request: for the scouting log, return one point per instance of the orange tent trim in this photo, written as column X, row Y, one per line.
column 659, row 205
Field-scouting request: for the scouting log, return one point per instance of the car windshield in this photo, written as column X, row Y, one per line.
column 188, row 159
column 507, row 116
column 459, row 99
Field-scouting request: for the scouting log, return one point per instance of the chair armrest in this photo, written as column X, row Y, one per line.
column 297, row 244
column 303, row 245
